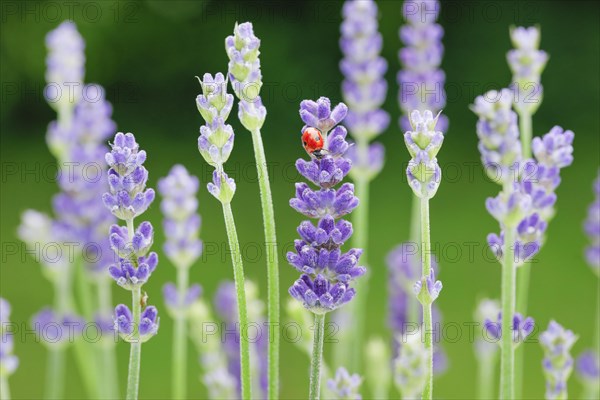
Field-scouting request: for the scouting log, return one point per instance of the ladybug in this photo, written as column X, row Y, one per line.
column 313, row 142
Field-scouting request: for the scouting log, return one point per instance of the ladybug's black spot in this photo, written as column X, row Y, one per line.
column 304, row 142
column 317, row 138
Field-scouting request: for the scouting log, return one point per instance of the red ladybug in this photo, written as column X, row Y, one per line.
column 313, row 142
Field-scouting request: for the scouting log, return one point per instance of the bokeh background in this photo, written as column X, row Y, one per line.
column 146, row 53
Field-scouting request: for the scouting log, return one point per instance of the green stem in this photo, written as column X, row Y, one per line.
column 55, row 374
column 524, row 272
column 507, row 365
column 360, row 241
column 107, row 349
column 238, row 275
column 84, row 291
column 135, row 354
column 597, row 333
column 4, row 389
column 179, row 367
column 523, row 275
column 317, row 356
column 427, row 320
column 525, row 134
column 272, row 262
column 415, row 232
column 487, row 372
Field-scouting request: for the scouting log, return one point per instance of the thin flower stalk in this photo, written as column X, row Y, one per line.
column 298, row 314
column 508, row 208
column 326, row 272
column 424, row 176
column 421, row 84
column 527, row 63
column 127, row 199
column 215, row 144
column 246, row 78
column 364, row 90
column 183, row 248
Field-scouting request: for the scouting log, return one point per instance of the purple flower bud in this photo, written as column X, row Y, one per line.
column 130, row 276
column 252, row 114
column 319, row 204
column 325, row 172
column 148, row 323
column 530, row 233
column 344, row 385
column 331, row 263
column 327, row 234
column 180, row 302
column 123, row 320
column 319, row 295
column 509, row 207
column 588, row 367
column 498, row 134
column 366, row 165
column 318, row 114
column 65, row 65
column 555, row 148
column 433, row 288
column 424, row 175
column 557, row 364
column 222, row 187
column 57, row 330
column 521, row 328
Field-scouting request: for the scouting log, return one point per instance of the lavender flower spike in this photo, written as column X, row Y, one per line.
column 65, row 67
column 345, row 386
column 128, row 198
column 182, row 247
column 324, row 285
column 215, row 144
column 527, row 63
column 421, row 80
column 246, row 78
column 556, row 342
column 364, row 88
column 498, row 134
column 182, row 223
column 326, row 272
column 245, row 75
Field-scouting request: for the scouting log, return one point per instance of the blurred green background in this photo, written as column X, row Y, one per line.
column 146, row 53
